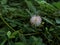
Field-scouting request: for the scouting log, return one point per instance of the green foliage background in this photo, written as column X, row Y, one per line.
column 15, row 27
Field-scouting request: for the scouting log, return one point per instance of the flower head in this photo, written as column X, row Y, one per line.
column 35, row 20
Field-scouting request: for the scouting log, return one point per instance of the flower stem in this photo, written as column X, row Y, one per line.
column 6, row 22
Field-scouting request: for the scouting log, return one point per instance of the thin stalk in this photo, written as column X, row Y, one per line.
column 6, row 22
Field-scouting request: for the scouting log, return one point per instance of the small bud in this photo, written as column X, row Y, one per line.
column 35, row 20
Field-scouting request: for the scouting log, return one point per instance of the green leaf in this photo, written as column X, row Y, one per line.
column 22, row 38
column 35, row 41
column 8, row 34
column 57, row 20
column 3, row 42
column 40, row 1
column 48, row 21
column 2, row 33
column 13, row 25
column 30, row 6
column 46, row 7
column 19, row 43
column 57, row 4
column 3, row 1
column 14, row 34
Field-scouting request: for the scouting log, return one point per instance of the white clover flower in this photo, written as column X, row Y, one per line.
column 35, row 20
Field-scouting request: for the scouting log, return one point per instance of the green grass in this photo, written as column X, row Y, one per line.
column 15, row 27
